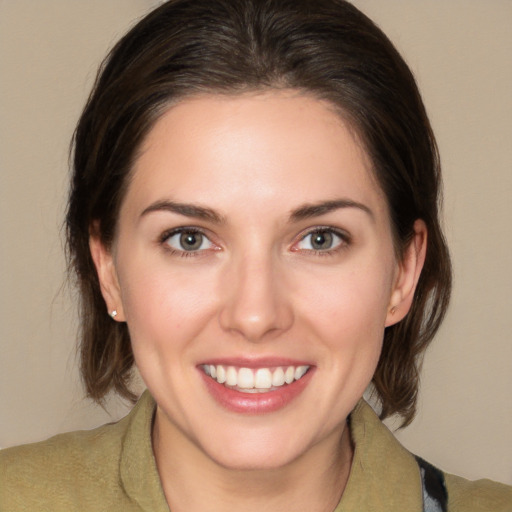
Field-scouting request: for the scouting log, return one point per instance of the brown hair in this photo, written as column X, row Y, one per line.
column 324, row 47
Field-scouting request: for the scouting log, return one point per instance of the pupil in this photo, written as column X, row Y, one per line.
column 322, row 240
column 191, row 241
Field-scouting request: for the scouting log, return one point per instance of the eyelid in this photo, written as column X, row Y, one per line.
column 340, row 233
column 166, row 235
column 174, row 231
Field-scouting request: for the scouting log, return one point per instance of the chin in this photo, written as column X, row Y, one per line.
column 262, row 461
column 255, row 449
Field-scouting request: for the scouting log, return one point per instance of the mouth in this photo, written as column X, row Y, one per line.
column 255, row 380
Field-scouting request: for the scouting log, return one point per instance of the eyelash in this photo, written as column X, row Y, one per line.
column 345, row 241
column 163, row 240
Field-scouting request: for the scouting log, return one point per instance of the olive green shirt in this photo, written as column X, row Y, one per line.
column 112, row 468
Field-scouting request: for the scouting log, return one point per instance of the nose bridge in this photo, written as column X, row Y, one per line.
column 256, row 305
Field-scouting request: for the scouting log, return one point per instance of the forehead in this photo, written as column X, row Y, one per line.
column 276, row 146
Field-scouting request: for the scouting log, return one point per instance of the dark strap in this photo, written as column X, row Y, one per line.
column 435, row 496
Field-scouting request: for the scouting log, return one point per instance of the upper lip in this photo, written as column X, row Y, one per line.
column 255, row 362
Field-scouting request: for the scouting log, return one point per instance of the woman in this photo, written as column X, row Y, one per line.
column 255, row 205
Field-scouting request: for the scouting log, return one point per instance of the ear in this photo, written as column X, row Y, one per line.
column 107, row 275
column 409, row 271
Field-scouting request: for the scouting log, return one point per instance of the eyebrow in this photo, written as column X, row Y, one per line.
column 186, row 209
column 303, row 212
column 308, row 211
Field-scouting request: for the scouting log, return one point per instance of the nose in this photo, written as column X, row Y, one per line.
column 256, row 304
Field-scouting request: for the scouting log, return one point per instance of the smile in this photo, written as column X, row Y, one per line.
column 254, row 380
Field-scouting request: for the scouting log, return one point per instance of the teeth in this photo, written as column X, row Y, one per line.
column 245, row 378
column 299, row 372
column 249, row 380
column 263, row 379
column 221, row 374
column 231, row 376
column 278, row 377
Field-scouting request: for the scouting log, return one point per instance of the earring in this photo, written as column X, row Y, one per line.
column 393, row 310
column 113, row 314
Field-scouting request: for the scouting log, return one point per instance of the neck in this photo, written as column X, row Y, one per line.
column 194, row 482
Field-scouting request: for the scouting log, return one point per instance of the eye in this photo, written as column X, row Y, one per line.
column 322, row 240
column 187, row 240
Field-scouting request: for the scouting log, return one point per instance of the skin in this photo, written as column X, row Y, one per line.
column 255, row 288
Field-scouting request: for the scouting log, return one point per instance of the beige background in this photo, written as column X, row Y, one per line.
column 461, row 53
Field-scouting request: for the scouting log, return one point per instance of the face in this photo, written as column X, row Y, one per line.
column 255, row 268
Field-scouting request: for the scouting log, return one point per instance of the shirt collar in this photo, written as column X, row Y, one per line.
column 139, row 475
column 384, row 475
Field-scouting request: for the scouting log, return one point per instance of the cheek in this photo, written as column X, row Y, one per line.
column 347, row 315
column 163, row 305
column 354, row 301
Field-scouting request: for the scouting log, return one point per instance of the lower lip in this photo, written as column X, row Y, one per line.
column 256, row 403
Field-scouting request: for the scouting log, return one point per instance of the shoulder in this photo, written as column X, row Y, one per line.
column 62, row 467
column 73, row 471
column 81, row 448
column 391, row 475
column 477, row 496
